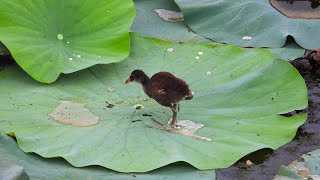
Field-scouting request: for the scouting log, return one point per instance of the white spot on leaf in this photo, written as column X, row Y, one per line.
column 200, row 53
column 185, row 128
column 170, row 50
column 247, row 38
column 110, row 89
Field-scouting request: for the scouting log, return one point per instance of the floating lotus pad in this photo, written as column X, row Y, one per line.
column 238, row 103
column 305, row 167
column 148, row 23
column 230, row 21
column 12, row 158
column 48, row 37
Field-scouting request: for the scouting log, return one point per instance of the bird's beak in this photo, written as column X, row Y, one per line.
column 128, row 80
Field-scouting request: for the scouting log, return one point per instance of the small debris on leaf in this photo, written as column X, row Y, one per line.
column 110, row 89
column 197, row 57
column 138, row 120
column 146, row 115
column 169, row 16
column 200, row 53
column 208, row 73
column 138, row 106
column 109, row 105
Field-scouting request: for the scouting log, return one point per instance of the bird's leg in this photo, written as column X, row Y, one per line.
column 174, row 116
column 178, row 107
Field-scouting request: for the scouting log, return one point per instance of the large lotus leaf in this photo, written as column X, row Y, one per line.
column 148, row 23
column 230, row 21
column 305, row 167
column 238, row 98
column 39, row 168
column 48, row 37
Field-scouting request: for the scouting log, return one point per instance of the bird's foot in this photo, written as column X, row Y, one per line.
column 173, row 124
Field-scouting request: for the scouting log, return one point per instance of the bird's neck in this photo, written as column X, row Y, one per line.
column 144, row 80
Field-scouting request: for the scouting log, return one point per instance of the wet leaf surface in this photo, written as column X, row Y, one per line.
column 12, row 160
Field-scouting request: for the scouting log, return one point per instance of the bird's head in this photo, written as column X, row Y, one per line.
column 137, row 76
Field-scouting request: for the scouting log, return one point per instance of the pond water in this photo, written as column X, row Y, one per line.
column 298, row 9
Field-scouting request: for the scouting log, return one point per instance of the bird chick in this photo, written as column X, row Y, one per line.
column 164, row 88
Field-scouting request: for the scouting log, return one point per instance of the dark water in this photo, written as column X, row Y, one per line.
column 305, row 5
column 298, row 9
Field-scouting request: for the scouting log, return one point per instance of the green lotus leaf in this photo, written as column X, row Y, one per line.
column 289, row 52
column 305, row 167
column 148, row 23
column 11, row 157
column 235, row 21
column 47, row 37
column 239, row 95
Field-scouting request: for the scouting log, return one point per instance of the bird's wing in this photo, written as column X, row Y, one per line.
column 167, row 83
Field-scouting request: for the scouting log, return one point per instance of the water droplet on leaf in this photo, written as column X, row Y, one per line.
column 60, row 36
column 170, row 50
column 247, row 38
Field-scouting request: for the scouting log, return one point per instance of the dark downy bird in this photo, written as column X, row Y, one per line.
column 164, row 88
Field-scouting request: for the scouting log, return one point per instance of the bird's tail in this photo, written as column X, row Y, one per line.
column 189, row 96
